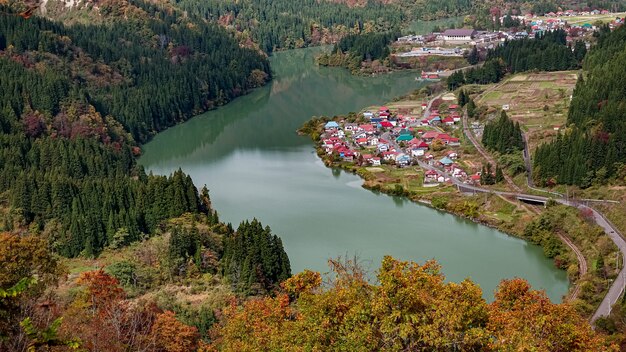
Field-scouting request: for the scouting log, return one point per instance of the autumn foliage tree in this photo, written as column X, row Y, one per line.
column 170, row 335
column 104, row 319
column 411, row 309
column 26, row 269
column 526, row 319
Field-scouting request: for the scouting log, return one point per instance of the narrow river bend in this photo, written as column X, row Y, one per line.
column 255, row 165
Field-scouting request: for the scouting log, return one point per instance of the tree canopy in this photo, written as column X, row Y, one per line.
column 411, row 308
column 592, row 148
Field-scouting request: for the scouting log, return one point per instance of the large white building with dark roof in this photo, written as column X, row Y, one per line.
column 459, row 35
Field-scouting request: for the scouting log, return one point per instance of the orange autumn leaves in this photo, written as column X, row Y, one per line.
column 411, row 309
column 527, row 319
column 103, row 319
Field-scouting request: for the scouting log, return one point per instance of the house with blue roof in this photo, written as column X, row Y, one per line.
column 404, row 138
column 403, row 160
column 445, row 161
column 331, row 124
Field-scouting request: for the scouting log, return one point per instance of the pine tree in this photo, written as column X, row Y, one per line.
column 499, row 174
column 473, row 57
column 463, row 98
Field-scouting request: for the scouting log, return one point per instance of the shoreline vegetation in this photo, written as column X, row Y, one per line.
column 374, row 53
column 520, row 220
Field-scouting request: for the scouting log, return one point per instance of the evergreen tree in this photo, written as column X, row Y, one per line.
column 254, row 259
column 503, row 135
column 591, row 149
column 473, row 57
column 499, row 174
column 471, row 108
column 463, row 98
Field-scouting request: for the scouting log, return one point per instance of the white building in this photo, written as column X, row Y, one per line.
column 459, row 35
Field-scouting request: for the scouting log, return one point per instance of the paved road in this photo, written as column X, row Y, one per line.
column 617, row 289
column 618, row 286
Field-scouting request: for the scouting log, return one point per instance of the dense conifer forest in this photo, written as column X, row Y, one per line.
column 75, row 99
column 592, row 147
column 503, row 135
column 354, row 49
column 546, row 52
column 284, row 24
column 147, row 73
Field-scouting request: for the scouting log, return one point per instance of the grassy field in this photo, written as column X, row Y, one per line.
column 539, row 101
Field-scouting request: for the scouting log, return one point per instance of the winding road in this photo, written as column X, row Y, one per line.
column 619, row 284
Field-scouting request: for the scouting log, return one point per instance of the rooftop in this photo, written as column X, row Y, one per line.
column 459, row 32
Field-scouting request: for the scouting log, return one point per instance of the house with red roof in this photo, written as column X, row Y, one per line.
column 429, row 136
column 447, row 140
column 385, row 124
column 389, row 155
column 448, row 121
column 475, row 179
column 366, row 128
column 430, row 176
column 349, row 155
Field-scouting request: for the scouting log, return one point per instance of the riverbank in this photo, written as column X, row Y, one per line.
column 383, row 171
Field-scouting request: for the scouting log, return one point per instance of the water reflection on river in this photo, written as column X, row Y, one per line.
column 255, row 165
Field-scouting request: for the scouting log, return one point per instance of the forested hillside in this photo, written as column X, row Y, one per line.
column 148, row 73
column 285, row 24
column 593, row 147
column 353, row 49
column 547, row 52
column 76, row 98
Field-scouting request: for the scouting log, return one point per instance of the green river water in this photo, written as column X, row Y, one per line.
column 255, row 165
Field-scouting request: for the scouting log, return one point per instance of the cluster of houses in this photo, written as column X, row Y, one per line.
column 570, row 13
column 397, row 139
column 472, row 37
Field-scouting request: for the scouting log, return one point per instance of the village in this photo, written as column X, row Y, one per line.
column 457, row 42
column 386, row 137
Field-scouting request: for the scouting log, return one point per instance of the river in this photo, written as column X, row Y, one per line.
column 255, row 165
